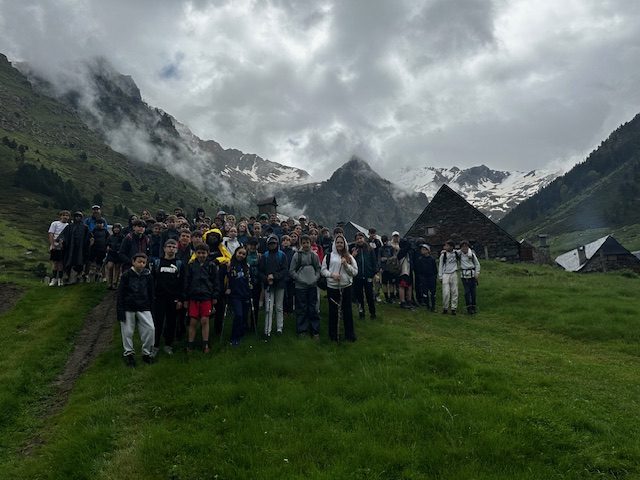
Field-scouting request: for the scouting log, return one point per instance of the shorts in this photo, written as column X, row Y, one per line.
column 200, row 308
column 405, row 281
column 56, row 255
column 388, row 277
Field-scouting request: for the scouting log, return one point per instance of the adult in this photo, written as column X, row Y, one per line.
column 76, row 239
column 96, row 213
column 367, row 268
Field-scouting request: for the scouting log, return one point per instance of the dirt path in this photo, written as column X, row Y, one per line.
column 9, row 296
column 94, row 338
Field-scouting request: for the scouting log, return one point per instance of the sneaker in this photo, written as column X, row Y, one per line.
column 316, row 337
column 444, row 311
column 361, row 315
column 148, row 359
column 235, row 343
column 130, row 361
column 168, row 350
column 266, row 337
column 453, row 312
column 206, row 349
column 154, row 352
column 279, row 333
column 53, row 282
column 60, row 282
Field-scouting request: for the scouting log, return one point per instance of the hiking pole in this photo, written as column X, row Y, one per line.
column 339, row 316
column 226, row 305
column 254, row 319
column 267, row 317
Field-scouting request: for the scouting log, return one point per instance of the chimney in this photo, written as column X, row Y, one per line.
column 582, row 256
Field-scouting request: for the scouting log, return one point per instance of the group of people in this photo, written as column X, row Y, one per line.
column 174, row 275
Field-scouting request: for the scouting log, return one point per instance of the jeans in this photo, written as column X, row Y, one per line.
column 306, row 310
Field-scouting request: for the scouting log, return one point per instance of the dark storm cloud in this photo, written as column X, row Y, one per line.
column 512, row 84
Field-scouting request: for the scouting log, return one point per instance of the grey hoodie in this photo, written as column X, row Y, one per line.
column 305, row 269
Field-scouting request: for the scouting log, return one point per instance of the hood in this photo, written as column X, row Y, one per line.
column 271, row 238
column 346, row 244
column 210, row 232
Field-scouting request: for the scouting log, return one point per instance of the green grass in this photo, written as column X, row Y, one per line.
column 628, row 236
column 541, row 384
column 37, row 339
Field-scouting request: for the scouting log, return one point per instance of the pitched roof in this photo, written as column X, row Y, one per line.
column 570, row 260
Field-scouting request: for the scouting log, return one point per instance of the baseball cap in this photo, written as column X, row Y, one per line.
column 96, row 207
column 395, row 233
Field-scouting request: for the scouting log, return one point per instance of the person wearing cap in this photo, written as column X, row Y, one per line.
column 76, row 239
column 426, row 273
column 96, row 213
column 273, row 270
column 304, row 228
column 56, row 246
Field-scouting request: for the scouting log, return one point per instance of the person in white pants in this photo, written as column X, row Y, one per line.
column 447, row 272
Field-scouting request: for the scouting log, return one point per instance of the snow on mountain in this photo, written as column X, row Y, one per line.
column 493, row 192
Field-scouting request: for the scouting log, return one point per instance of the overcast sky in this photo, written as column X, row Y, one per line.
column 513, row 84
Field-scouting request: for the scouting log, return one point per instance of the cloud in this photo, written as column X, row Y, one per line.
column 511, row 84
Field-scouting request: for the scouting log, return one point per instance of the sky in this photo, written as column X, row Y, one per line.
column 512, row 84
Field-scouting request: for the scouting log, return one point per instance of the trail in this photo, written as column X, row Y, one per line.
column 94, row 338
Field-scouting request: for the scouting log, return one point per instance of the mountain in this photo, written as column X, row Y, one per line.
column 111, row 104
column 601, row 192
column 50, row 159
column 355, row 192
column 491, row 191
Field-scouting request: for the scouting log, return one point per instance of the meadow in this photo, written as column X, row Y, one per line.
column 542, row 383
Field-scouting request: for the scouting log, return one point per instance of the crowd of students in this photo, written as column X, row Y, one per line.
column 175, row 275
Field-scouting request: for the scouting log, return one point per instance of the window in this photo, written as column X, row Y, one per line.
column 431, row 231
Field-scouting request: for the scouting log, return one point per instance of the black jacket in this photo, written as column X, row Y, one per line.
column 425, row 266
column 276, row 263
column 367, row 261
column 131, row 245
column 135, row 293
column 201, row 281
column 169, row 278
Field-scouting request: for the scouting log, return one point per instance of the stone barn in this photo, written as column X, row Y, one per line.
column 450, row 216
column 604, row 254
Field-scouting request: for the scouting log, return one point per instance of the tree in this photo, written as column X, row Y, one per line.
column 126, row 186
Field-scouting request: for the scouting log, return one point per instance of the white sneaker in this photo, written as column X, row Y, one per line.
column 53, row 282
column 168, row 350
column 60, row 282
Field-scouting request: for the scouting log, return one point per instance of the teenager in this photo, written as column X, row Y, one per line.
column 135, row 297
column 367, row 267
column 201, row 293
column 339, row 268
column 273, row 273
column 56, row 246
column 305, row 272
column 426, row 273
column 98, row 250
column 238, row 291
column 469, row 272
column 114, row 263
column 134, row 242
column 76, row 239
column 447, row 272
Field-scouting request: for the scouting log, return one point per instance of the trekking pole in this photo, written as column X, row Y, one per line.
column 267, row 306
column 339, row 316
column 254, row 319
column 226, row 305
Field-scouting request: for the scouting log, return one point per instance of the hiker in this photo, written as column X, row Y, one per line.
column 390, row 268
column 114, row 262
column 98, row 250
column 238, row 291
column 134, row 242
column 218, row 254
column 155, row 243
column 253, row 260
column 201, row 294
column 290, row 288
column 273, row 273
column 426, row 272
column 56, row 246
column 469, row 272
column 363, row 282
column 135, row 297
column 339, row 268
column 76, row 240
column 96, row 213
column 168, row 274
column 305, row 272
column 447, row 272
column 231, row 241
column 405, row 278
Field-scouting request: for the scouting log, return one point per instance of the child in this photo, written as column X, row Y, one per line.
column 426, row 273
column 114, row 262
column 405, row 285
column 231, row 241
column 135, row 296
column 201, row 293
column 273, row 273
column 56, row 244
column 155, row 242
column 134, row 242
column 305, row 272
column 239, row 292
column 290, row 288
column 253, row 260
column 389, row 268
column 168, row 273
column 447, row 273
column 469, row 271
column 171, row 232
column 98, row 250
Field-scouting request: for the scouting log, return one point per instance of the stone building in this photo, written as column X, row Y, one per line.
column 268, row 206
column 604, row 254
column 450, row 216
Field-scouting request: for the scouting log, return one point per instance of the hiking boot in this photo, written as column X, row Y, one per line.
column 148, row 359
column 168, row 350
column 130, row 361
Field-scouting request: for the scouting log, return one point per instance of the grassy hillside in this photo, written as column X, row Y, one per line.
column 628, row 236
column 541, row 384
column 601, row 192
column 40, row 131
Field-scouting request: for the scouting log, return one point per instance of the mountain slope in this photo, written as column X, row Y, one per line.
column 356, row 193
column 601, row 192
column 111, row 104
column 493, row 192
column 50, row 159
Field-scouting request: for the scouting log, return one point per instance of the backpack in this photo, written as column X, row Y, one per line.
column 392, row 265
column 322, row 281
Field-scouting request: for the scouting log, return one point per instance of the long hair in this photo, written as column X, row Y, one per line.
column 235, row 262
column 345, row 253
